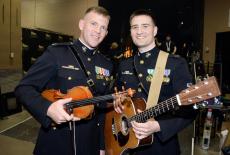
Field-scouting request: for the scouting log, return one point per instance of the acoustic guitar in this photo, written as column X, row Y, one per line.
column 119, row 135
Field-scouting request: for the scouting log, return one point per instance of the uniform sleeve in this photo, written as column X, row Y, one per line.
column 28, row 91
column 178, row 120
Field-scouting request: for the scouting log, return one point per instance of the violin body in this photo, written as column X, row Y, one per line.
column 76, row 93
column 82, row 104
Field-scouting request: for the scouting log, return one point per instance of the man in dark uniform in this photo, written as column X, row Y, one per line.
column 62, row 67
column 168, row 45
column 136, row 73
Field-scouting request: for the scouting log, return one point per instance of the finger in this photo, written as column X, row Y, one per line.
column 64, row 101
column 116, row 107
column 76, row 119
column 140, row 136
column 136, row 125
column 139, row 111
column 66, row 116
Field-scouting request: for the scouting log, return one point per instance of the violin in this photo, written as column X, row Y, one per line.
column 82, row 104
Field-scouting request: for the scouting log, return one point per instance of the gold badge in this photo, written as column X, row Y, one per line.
column 139, row 90
column 149, row 77
column 140, row 75
column 166, row 79
column 89, row 59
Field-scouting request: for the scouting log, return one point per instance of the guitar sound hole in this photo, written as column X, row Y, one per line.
column 124, row 126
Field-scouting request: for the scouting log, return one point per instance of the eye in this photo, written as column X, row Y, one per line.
column 103, row 28
column 145, row 26
column 134, row 27
column 94, row 24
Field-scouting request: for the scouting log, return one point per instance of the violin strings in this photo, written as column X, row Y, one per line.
column 93, row 100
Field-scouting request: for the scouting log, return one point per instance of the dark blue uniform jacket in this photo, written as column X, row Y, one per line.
column 176, row 77
column 58, row 68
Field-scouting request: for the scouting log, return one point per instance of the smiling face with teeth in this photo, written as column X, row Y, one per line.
column 93, row 28
column 143, row 32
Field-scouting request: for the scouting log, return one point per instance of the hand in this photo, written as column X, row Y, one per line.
column 57, row 112
column 117, row 103
column 102, row 152
column 143, row 130
column 75, row 118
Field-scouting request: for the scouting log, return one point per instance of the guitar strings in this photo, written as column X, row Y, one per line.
column 160, row 108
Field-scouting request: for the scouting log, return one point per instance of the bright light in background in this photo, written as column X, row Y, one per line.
column 229, row 18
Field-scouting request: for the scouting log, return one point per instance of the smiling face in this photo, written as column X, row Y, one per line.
column 93, row 28
column 143, row 31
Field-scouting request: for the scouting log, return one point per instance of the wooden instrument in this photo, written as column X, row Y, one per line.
column 119, row 135
column 82, row 105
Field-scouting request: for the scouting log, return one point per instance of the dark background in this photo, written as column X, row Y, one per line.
column 183, row 19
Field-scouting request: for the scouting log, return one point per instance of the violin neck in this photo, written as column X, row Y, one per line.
column 89, row 101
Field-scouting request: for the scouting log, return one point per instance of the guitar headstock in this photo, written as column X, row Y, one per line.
column 201, row 91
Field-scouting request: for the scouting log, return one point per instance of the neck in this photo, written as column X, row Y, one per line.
column 85, row 44
column 146, row 49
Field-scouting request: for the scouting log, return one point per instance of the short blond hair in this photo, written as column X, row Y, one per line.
column 98, row 9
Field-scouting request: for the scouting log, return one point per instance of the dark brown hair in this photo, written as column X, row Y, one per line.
column 143, row 12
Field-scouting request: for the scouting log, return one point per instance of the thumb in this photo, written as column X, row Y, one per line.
column 64, row 101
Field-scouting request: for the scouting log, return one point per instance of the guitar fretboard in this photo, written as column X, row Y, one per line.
column 159, row 109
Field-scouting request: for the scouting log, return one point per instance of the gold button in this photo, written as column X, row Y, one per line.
column 89, row 59
column 139, row 90
column 88, row 72
column 142, row 61
column 69, row 78
column 140, row 75
column 103, row 83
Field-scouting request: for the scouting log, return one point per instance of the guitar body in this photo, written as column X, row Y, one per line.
column 118, row 136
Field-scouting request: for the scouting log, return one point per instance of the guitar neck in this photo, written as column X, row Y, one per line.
column 159, row 109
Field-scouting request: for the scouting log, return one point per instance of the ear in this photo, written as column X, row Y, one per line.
column 155, row 31
column 81, row 24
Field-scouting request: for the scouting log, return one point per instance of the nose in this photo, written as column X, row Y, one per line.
column 98, row 29
column 139, row 30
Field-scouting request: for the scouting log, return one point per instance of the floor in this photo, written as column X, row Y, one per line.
column 18, row 135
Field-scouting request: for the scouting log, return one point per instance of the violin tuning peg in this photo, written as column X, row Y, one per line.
column 123, row 88
column 115, row 89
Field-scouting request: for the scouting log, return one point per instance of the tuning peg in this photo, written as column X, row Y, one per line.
column 195, row 106
column 217, row 101
column 204, row 103
column 189, row 85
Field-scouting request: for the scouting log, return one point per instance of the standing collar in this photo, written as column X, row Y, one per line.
column 152, row 52
column 85, row 49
